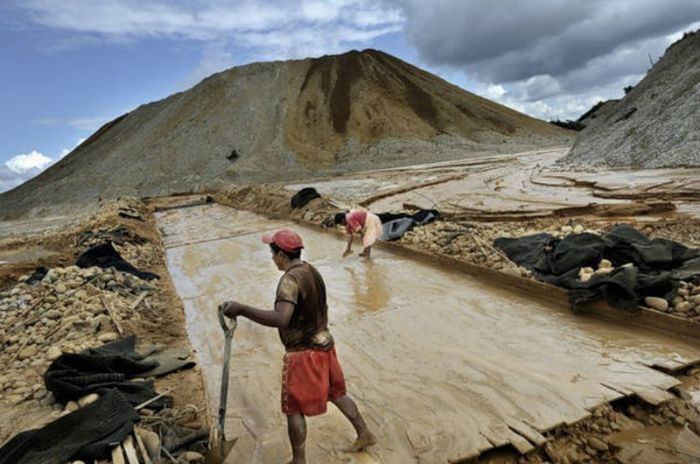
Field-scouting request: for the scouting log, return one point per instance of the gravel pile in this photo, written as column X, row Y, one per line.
column 69, row 310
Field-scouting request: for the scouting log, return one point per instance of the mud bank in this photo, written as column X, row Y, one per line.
column 447, row 369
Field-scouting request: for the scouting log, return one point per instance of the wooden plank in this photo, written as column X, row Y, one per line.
column 500, row 435
column 654, row 396
column 521, row 444
column 527, row 431
column 129, row 450
column 117, row 456
column 142, row 447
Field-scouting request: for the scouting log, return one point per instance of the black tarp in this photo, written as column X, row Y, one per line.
column 87, row 434
column 395, row 225
column 104, row 255
column 97, row 370
column 303, row 196
column 651, row 267
column 37, row 275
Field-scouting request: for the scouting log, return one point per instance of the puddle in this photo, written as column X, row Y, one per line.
column 435, row 359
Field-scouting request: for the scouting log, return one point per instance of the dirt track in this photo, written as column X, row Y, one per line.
column 444, row 370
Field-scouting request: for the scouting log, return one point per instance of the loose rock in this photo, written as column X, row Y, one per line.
column 108, row 337
column 192, row 456
column 598, row 444
column 53, row 353
column 656, row 303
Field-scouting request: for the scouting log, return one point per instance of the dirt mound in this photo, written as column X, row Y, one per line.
column 656, row 124
column 282, row 120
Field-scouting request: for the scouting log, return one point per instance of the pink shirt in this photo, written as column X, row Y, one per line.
column 355, row 220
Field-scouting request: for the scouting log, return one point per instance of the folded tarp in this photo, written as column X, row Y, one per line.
column 651, row 267
column 98, row 370
column 87, row 434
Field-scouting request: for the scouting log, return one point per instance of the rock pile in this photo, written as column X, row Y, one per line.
column 70, row 309
column 466, row 241
column 686, row 302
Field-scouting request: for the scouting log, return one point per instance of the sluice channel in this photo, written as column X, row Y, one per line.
column 442, row 364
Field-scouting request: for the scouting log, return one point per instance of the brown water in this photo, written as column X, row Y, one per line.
column 441, row 364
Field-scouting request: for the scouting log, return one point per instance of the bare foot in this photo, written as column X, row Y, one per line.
column 363, row 441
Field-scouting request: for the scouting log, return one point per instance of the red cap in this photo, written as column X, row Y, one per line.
column 285, row 240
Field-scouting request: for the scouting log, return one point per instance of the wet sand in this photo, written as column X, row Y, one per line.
column 521, row 185
column 442, row 365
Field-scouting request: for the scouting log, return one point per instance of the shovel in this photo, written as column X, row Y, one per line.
column 219, row 447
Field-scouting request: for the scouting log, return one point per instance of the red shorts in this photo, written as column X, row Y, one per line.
column 309, row 380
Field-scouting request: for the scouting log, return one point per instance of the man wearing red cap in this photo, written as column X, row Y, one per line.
column 311, row 374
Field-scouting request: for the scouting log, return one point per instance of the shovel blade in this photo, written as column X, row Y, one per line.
column 219, row 449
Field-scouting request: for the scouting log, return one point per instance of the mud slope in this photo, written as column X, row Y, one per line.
column 657, row 124
column 267, row 121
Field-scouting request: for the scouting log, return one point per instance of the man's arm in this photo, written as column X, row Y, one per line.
column 279, row 318
column 348, row 247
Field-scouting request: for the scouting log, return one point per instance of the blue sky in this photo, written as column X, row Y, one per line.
column 70, row 66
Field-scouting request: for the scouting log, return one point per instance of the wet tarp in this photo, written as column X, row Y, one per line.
column 37, row 275
column 644, row 267
column 87, row 434
column 98, row 370
column 303, row 196
column 104, row 255
column 395, row 225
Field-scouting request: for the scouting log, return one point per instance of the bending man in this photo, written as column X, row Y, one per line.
column 311, row 375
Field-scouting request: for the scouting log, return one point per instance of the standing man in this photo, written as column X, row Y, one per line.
column 360, row 221
column 311, row 374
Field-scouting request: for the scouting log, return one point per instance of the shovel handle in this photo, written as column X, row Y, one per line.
column 227, row 324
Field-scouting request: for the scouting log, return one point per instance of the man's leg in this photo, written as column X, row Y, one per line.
column 296, row 427
column 349, row 409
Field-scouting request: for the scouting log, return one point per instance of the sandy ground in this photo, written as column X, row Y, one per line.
column 444, row 370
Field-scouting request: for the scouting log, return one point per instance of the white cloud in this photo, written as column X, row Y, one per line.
column 25, row 162
column 494, row 91
column 23, row 167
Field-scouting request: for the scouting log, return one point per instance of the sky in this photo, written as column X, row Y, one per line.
column 69, row 66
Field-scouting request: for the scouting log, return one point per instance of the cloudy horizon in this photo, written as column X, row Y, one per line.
column 76, row 64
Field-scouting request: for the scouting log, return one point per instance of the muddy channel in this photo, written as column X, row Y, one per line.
column 444, row 366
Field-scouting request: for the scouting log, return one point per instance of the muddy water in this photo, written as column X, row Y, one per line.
column 442, row 365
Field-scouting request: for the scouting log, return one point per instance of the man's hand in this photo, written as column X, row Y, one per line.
column 231, row 308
